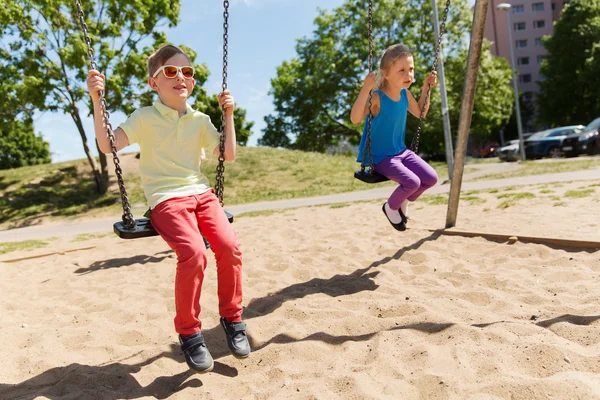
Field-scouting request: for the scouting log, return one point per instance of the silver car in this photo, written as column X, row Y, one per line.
column 510, row 151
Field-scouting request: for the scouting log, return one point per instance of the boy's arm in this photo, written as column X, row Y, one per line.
column 227, row 104
column 230, row 140
column 95, row 84
column 121, row 139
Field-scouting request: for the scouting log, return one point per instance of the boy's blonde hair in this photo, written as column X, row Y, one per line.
column 161, row 55
column 390, row 55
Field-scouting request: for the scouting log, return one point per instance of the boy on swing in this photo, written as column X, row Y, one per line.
column 171, row 136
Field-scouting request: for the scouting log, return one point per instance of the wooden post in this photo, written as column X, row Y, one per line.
column 466, row 108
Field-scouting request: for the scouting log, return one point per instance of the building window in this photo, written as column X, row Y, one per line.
column 540, row 59
column 520, row 26
column 525, row 78
column 521, row 43
column 523, row 61
column 553, row 6
column 539, row 42
column 539, row 24
column 518, row 9
column 537, row 7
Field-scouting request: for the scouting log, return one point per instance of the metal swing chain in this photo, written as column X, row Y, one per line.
column 415, row 141
column 368, row 152
column 220, row 179
column 128, row 220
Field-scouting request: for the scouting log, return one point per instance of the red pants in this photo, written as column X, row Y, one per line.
column 180, row 222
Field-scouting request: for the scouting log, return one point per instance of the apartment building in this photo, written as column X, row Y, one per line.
column 530, row 21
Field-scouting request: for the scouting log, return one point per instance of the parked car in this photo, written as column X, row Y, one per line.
column 586, row 141
column 548, row 143
column 510, row 151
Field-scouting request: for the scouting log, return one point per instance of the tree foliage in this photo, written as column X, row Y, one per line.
column 19, row 146
column 569, row 91
column 314, row 92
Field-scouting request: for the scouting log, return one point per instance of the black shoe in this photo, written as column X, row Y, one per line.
column 400, row 226
column 196, row 353
column 235, row 332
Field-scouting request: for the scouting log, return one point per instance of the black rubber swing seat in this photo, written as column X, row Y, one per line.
column 143, row 228
column 370, row 177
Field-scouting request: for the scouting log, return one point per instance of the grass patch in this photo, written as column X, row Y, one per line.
column 506, row 204
column 67, row 189
column 559, row 203
column 261, row 213
column 516, row 196
column 579, row 193
column 89, row 236
column 9, row 247
column 513, row 198
column 529, row 168
column 473, row 199
column 546, row 191
column 434, row 199
column 340, row 205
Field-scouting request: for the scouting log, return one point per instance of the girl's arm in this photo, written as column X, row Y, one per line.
column 414, row 107
column 226, row 102
column 360, row 109
column 95, row 84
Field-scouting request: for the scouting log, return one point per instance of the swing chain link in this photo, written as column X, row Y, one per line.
column 367, row 151
column 415, row 141
column 128, row 220
column 220, row 179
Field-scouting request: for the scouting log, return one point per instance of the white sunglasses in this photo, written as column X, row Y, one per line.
column 171, row 71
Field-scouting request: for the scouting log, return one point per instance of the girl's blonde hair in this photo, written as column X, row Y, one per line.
column 390, row 55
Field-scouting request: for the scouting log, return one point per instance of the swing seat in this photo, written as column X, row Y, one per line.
column 143, row 228
column 370, row 177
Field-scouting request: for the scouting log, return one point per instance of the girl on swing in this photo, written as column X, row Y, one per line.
column 391, row 100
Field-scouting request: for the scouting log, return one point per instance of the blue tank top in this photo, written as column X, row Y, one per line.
column 387, row 130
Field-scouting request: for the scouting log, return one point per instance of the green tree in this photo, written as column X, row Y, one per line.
column 49, row 48
column 19, row 146
column 569, row 91
column 527, row 112
column 209, row 105
column 493, row 97
column 313, row 93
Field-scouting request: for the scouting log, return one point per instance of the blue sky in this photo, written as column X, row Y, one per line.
column 263, row 33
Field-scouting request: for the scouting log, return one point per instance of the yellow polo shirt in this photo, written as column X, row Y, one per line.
column 170, row 150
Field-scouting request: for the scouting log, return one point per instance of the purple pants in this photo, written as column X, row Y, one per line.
column 412, row 173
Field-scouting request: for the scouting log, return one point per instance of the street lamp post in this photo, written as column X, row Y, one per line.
column 506, row 7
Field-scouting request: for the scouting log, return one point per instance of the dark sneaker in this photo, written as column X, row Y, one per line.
column 196, row 353
column 396, row 218
column 235, row 332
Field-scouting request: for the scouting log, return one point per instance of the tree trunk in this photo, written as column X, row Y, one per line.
column 101, row 183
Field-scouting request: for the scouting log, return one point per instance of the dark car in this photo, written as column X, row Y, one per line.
column 548, row 143
column 586, row 141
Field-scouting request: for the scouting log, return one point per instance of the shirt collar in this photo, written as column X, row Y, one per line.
column 164, row 110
